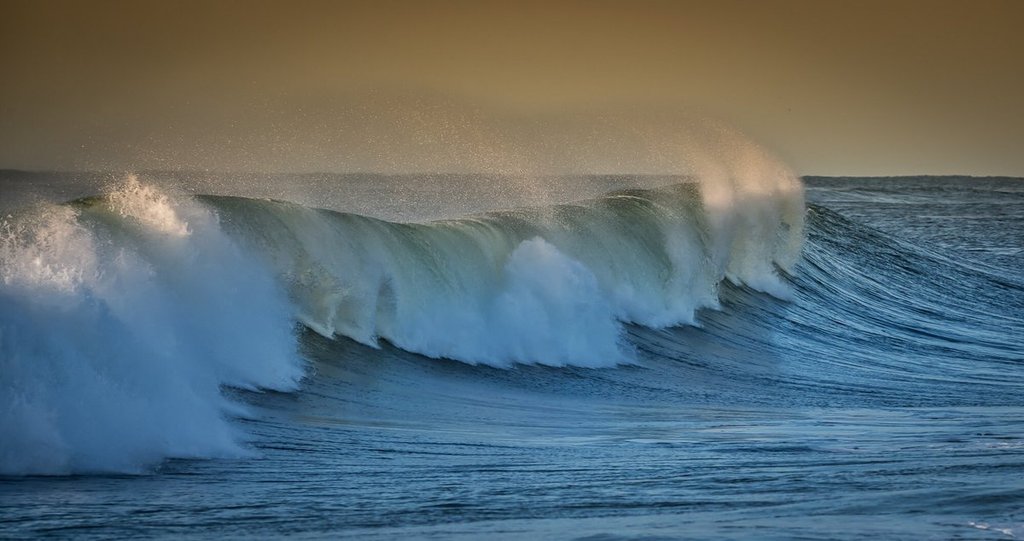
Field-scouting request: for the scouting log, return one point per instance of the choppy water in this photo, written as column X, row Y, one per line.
column 875, row 392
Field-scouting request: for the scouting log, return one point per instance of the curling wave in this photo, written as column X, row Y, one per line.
column 549, row 285
column 123, row 317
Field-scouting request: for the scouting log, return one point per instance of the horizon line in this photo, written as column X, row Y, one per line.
column 469, row 173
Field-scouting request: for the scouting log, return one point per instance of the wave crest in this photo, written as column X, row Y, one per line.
column 550, row 285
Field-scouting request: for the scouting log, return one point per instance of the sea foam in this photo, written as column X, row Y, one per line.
column 120, row 320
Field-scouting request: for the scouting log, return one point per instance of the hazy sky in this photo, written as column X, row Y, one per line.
column 834, row 87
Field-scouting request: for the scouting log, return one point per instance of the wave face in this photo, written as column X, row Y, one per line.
column 124, row 316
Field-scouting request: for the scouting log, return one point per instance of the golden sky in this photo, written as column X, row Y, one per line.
column 834, row 87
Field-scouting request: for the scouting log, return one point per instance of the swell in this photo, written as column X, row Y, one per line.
column 874, row 321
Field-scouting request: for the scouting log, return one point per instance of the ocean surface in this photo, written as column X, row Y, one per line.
column 467, row 357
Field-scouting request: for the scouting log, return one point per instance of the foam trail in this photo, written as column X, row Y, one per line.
column 119, row 323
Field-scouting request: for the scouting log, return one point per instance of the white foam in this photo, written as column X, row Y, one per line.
column 119, row 324
column 546, row 308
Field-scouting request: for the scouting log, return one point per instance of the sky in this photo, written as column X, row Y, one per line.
column 833, row 87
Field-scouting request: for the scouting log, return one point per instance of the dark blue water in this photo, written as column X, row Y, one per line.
column 882, row 400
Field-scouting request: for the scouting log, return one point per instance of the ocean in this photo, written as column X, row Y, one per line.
column 463, row 356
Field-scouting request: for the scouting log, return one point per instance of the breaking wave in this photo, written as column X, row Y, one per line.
column 124, row 317
column 120, row 321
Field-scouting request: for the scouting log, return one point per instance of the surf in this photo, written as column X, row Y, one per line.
column 121, row 320
column 124, row 316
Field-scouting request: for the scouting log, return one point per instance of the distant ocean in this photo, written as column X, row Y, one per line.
column 471, row 357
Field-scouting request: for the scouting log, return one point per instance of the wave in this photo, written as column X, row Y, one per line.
column 123, row 317
column 548, row 285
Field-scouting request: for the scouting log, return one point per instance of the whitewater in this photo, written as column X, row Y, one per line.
column 706, row 355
